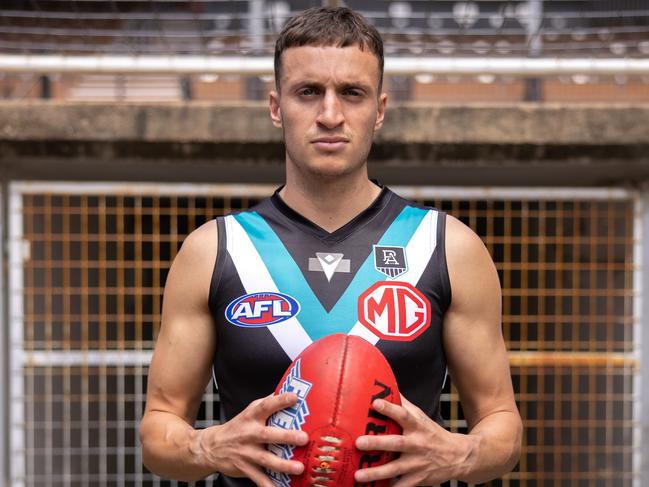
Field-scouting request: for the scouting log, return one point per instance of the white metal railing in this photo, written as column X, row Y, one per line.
column 251, row 65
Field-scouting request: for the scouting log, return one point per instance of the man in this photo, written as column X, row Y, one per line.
column 246, row 294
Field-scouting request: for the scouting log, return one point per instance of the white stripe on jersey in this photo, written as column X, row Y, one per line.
column 256, row 279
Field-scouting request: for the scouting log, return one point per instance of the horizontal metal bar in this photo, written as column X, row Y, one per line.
column 573, row 359
column 127, row 358
column 261, row 190
column 250, row 65
column 502, row 193
column 515, row 66
column 74, row 358
column 236, row 49
column 197, row 34
column 141, row 189
column 175, row 16
column 192, row 47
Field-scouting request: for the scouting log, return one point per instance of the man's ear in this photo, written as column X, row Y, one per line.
column 275, row 112
column 380, row 112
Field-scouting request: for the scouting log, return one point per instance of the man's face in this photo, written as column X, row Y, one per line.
column 328, row 108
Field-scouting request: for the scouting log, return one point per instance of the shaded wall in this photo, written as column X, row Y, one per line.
column 523, row 144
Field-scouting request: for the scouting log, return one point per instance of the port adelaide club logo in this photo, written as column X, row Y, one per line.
column 261, row 309
column 390, row 260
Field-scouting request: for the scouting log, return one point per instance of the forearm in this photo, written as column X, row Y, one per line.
column 493, row 448
column 171, row 448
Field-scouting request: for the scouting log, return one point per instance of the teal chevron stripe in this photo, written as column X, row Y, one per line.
column 289, row 278
column 285, row 273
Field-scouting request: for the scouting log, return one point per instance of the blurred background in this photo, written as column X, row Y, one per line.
column 126, row 124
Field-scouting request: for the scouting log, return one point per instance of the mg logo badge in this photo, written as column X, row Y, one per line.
column 394, row 310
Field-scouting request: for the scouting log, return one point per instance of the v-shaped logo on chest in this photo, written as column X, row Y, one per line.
column 329, row 263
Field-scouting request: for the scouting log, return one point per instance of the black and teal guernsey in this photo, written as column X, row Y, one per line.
column 280, row 282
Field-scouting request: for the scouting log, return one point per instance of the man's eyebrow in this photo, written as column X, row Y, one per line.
column 345, row 85
column 308, row 82
column 354, row 85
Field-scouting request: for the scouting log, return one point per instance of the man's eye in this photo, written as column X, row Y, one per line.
column 353, row 93
column 307, row 91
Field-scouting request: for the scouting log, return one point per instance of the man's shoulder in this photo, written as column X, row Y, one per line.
column 461, row 237
column 466, row 253
column 191, row 272
column 202, row 241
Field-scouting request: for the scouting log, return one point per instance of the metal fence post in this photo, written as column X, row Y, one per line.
column 641, row 463
column 4, row 343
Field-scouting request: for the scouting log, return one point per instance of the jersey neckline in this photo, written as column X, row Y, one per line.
column 356, row 223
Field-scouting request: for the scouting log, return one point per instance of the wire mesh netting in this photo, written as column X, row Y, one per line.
column 449, row 27
column 589, row 29
column 91, row 268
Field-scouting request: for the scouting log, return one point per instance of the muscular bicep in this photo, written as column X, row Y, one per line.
column 473, row 341
column 181, row 365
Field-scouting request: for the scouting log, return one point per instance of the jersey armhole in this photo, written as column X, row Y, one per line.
column 441, row 256
column 217, row 272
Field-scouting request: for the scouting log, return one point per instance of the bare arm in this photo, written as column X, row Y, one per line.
column 181, row 369
column 477, row 358
column 479, row 367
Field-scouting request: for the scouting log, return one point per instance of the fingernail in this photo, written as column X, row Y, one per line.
column 361, row 443
column 379, row 405
column 297, row 468
column 302, row 437
column 359, row 476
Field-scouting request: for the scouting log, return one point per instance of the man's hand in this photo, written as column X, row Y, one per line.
column 238, row 448
column 429, row 454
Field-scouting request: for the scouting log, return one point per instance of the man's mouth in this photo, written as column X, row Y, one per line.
column 330, row 143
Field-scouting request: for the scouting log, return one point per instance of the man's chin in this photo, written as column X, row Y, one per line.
column 326, row 167
column 333, row 171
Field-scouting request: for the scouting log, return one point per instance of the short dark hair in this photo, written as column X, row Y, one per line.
column 329, row 26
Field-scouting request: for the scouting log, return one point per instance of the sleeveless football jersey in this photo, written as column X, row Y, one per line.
column 281, row 282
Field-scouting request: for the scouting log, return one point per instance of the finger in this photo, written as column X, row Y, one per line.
column 404, row 402
column 396, row 443
column 271, row 404
column 257, row 475
column 398, row 413
column 414, row 410
column 273, row 434
column 388, row 471
column 270, row 461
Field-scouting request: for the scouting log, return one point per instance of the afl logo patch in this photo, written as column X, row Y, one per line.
column 261, row 309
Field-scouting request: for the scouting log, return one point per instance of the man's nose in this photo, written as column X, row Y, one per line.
column 331, row 114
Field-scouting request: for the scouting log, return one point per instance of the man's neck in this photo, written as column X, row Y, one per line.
column 330, row 205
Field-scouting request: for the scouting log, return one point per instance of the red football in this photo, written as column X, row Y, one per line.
column 336, row 380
